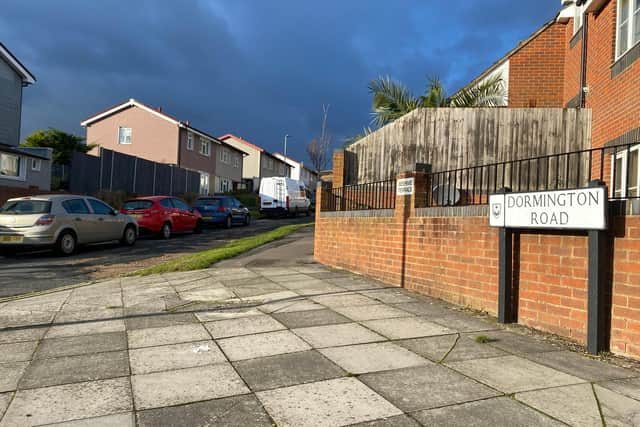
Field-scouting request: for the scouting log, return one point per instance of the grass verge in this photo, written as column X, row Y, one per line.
column 204, row 259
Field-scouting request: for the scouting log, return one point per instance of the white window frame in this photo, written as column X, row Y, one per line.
column 36, row 165
column 189, row 141
column 22, row 168
column 123, row 141
column 632, row 16
column 236, row 161
column 205, row 147
column 225, row 156
column 204, row 183
column 622, row 192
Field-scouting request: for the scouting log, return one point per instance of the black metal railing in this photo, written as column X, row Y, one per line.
column 372, row 195
column 564, row 171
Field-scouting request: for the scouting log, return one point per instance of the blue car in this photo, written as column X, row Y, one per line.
column 222, row 210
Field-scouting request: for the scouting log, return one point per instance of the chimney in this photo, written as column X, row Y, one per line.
column 159, row 109
column 188, row 123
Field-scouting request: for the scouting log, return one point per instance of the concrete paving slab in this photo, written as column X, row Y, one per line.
column 17, row 352
column 10, row 374
column 397, row 421
column 12, row 319
column 186, row 385
column 513, row 342
column 617, row 410
column 262, row 345
column 426, row 387
column 326, row 403
column 372, row 312
column 581, row 366
column 343, row 300
column 629, row 387
column 463, row 322
column 168, row 335
column 296, row 285
column 224, row 313
column 74, row 369
column 126, row 419
column 290, row 278
column 85, row 328
column 355, row 283
column 243, row 326
column 429, row 309
column 455, row 349
column 69, row 402
column 303, row 319
column 286, row 370
column 407, row 327
column 231, row 283
column 290, row 306
column 575, row 405
column 363, row 358
column 175, row 356
column 168, row 319
column 215, row 295
column 272, row 272
column 325, row 289
column 390, row 296
column 21, row 335
column 231, row 411
column 114, row 312
column 511, row 374
column 337, row 335
column 254, row 290
column 5, row 398
column 81, row 344
column 497, row 412
column 270, row 297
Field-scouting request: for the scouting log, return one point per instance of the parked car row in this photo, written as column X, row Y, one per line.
column 63, row 222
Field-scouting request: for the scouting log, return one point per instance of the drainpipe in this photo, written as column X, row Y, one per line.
column 583, row 58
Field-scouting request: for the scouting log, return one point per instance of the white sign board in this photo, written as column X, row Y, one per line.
column 404, row 186
column 582, row 209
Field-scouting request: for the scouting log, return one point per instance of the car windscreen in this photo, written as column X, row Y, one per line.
column 208, row 204
column 26, row 207
column 136, row 204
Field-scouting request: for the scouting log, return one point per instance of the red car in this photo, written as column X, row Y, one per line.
column 163, row 215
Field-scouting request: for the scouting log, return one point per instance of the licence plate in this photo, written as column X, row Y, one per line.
column 11, row 239
column 207, row 217
column 266, row 203
column 136, row 215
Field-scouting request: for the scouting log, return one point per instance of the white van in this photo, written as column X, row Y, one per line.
column 283, row 196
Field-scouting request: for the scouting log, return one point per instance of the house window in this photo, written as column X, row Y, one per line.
column 10, row 166
column 124, row 135
column 36, row 164
column 628, row 25
column 189, row 141
column 624, row 174
column 204, row 147
column 204, row 183
column 578, row 14
column 236, row 161
column 225, row 156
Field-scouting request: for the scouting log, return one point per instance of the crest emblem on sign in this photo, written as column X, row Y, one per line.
column 496, row 209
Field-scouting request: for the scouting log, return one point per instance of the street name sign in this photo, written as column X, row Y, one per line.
column 404, row 186
column 580, row 209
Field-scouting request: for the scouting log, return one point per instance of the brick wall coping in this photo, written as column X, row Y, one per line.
column 481, row 210
column 374, row 213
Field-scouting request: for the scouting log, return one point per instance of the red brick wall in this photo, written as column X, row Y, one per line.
column 455, row 258
column 572, row 65
column 536, row 71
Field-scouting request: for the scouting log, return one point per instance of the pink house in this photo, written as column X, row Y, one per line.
column 136, row 129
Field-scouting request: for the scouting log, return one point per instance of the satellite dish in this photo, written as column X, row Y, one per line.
column 445, row 195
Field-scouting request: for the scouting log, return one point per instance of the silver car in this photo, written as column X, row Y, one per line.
column 62, row 222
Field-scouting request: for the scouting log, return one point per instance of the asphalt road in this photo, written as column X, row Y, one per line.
column 36, row 271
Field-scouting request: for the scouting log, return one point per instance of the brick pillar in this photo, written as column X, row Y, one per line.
column 338, row 168
column 406, row 204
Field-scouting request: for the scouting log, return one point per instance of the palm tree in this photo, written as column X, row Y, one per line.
column 392, row 99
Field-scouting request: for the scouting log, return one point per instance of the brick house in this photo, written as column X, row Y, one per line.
column 22, row 170
column 258, row 164
column 594, row 45
column 136, row 129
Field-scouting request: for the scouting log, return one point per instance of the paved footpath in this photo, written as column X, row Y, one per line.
column 291, row 344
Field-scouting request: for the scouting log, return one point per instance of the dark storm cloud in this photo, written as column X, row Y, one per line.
column 256, row 68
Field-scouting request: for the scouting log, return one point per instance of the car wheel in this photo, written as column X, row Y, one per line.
column 247, row 219
column 66, row 243
column 227, row 223
column 129, row 236
column 198, row 228
column 165, row 231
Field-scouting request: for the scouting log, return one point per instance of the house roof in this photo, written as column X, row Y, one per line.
column 287, row 159
column 509, row 54
column 18, row 67
column 243, row 141
column 157, row 112
column 24, row 151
